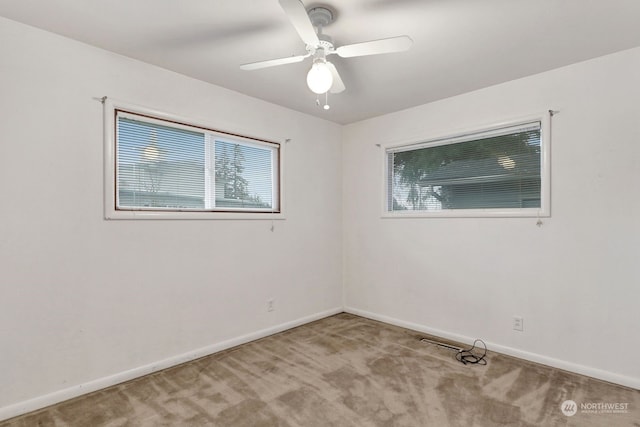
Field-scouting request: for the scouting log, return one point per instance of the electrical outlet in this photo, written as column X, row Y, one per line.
column 271, row 304
column 518, row 323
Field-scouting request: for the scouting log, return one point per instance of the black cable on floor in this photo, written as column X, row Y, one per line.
column 468, row 358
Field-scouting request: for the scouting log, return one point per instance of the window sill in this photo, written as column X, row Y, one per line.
column 165, row 215
column 471, row 213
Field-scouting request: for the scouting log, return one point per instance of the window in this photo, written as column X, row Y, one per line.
column 169, row 169
column 501, row 171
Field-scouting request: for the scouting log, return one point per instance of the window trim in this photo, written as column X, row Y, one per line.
column 433, row 140
column 112, row 107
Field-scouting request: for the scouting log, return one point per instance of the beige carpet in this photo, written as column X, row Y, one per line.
column 346, row 371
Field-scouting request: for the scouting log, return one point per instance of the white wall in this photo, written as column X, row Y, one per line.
column 575, row 280
column 82, row 298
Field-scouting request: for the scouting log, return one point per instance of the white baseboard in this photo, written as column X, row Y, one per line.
column 533, row 357
column 120, row 377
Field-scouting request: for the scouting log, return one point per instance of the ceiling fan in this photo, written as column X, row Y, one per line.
column 323, row 76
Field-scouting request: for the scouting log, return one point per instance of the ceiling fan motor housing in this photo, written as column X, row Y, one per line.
column 326, row 42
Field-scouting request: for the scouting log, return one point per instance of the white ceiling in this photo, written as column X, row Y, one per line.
column 459, row 45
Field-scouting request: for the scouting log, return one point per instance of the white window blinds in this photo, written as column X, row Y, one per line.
column 167, row 166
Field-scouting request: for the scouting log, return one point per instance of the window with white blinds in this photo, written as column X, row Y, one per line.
column 500, row 171
column 165, row 166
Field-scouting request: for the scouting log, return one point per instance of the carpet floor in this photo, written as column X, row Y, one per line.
column 347, row 371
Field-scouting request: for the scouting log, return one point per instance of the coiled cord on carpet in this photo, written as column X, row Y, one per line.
column 468, row 358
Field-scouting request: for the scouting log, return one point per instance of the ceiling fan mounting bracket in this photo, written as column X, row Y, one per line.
column 320, row 16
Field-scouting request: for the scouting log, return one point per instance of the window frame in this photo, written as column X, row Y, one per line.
column 433, row 140
column 111, row 211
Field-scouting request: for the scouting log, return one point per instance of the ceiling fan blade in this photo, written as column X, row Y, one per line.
column 338, row 85
column 272, row 62
column 297, row 14
column 374, row 47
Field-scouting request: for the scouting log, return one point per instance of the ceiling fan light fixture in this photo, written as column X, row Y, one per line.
column 319, row 78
